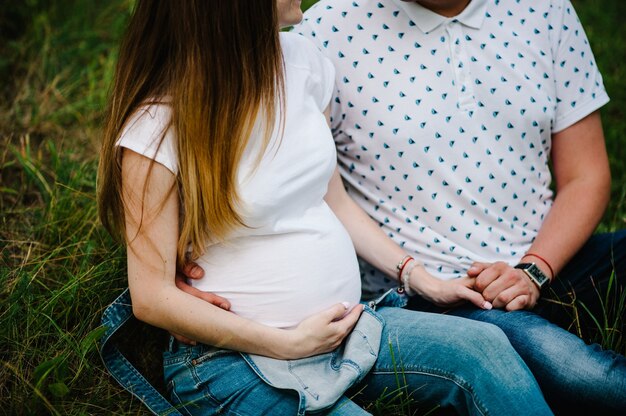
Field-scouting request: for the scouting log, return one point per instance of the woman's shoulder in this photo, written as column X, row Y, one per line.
column 299, row 51
column 148, row 133
column 305, row 59
column 147, row 118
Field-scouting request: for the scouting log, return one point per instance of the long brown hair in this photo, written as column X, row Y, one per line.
column 219, row 63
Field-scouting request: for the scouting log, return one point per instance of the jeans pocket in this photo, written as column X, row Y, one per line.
column 188, row 391
column 176, row 400
column 223, row 375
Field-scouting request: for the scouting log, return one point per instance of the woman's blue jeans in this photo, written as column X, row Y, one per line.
column 432, row 359
column 576, row 378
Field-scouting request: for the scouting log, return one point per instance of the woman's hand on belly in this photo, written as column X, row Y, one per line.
column 322, row 332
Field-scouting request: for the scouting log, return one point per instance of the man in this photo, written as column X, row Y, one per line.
column 446, row 117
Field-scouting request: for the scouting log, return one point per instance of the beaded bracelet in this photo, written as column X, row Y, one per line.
column 402, row 264
column 406, row 275
column 400, row 268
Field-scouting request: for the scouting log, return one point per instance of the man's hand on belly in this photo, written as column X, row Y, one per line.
column 193, row 271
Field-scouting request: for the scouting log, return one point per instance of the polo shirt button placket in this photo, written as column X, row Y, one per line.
column 459, row 61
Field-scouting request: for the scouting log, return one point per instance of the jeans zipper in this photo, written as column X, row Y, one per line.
column 374, row 303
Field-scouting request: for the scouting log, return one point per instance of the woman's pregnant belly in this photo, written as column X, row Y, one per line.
column 281, row 279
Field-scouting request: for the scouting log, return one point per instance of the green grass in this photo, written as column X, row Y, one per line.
column 59, row 269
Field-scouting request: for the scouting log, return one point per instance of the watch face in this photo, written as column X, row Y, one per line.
column 535, row 273
column 538, row 275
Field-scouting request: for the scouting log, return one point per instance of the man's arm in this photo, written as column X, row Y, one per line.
column 583, row 181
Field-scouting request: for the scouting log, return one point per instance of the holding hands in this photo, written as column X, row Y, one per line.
column 504, row 286
column 446, row 293
column 486, row 285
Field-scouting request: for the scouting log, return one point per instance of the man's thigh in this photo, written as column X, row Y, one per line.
column 571, row 373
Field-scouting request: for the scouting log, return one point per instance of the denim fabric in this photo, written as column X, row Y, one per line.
column 436, row 359
column 466, row 365
column 390, row 298
column 322, row 379
column 204, row 380
column 576, row 378
column 115, row 316
column 440, row 359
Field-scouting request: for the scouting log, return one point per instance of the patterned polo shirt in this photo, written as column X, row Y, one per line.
column 443, row 125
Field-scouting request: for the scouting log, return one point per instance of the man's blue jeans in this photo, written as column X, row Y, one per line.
column 576, row 378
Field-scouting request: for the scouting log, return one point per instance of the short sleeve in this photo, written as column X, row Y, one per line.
column 328, row 80
column 319, row 72
column 306, row 30
column 579, row 87
column 147, row 132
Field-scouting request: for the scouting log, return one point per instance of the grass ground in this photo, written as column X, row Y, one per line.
column 58, row 269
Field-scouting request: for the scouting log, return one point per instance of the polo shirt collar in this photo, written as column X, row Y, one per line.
column 473, row 15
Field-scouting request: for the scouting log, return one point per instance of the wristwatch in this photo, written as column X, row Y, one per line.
column 536, row 275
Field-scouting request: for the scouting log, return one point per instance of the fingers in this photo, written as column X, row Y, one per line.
column 489, row 275
column 341, row 311
column 183, row 339
column 193, row 271
column 476, row 268
column 510, row 285
column 511, row 293
column 211, row 298
column 519, row 303
column 526, row 300
column 474, row 297
column 467, row 281
column 214, row 299
column 326, row 330
column 347, row 323
column 336, row 312
column 181, row 282
column 351, row 318
column 180, row 279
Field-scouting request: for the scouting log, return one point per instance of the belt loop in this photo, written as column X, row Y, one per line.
column 172, row 345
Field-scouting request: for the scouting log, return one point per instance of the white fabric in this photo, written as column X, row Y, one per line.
column 443, row 125
column 294, row 258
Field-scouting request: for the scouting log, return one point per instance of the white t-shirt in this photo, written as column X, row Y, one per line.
column 443, row 125
column 294, row 258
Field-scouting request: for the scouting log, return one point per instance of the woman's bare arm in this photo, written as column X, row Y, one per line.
column 152, row 229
